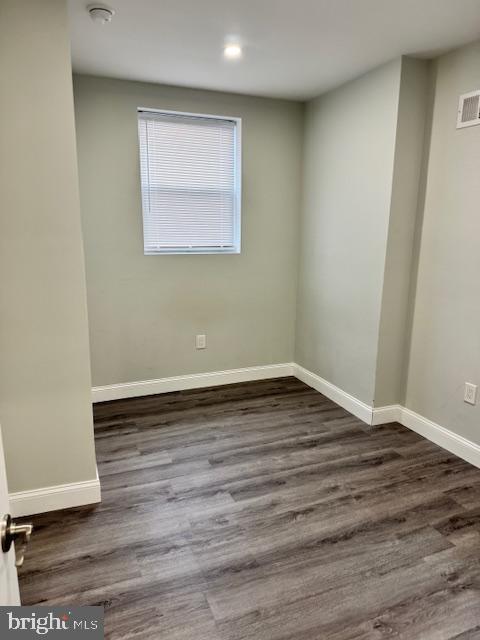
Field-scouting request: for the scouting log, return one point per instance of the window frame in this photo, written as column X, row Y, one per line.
column 237, row 207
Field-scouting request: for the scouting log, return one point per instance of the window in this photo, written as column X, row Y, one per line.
column 190, row 178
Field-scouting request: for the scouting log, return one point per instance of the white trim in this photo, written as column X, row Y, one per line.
column 445, row 438
column 23, row 503
column 62, row 496
column 384, row 415
column 188, row 114
column 461, row 447
column 344, row 399
column 193, row 381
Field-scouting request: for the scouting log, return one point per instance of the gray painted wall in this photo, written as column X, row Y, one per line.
column 445, row 346
column 145, row 311
column 411, row 137
column 45, row 401
column 348, row 170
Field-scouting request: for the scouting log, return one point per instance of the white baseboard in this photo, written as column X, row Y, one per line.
column 441, row 436
column 461, row 447
column 193, row 381
column 344, row 399
column 445, row 438
column 24, row 503
column 63, row 496
column 384, row 415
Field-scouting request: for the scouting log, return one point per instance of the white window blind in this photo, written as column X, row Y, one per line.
column 190, row 179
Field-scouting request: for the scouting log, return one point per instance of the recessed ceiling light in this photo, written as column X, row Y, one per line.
column 100, row 13
column 232, row 51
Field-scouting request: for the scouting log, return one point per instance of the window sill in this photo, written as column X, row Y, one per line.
column 193, row 252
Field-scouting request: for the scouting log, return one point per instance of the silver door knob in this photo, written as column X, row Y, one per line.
column 11, row 532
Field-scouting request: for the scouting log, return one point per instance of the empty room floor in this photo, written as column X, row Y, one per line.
column 264, row 511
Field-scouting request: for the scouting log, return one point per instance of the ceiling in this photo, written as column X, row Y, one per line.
column 292, row 48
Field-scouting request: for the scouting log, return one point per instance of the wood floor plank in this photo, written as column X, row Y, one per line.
column 264, row 511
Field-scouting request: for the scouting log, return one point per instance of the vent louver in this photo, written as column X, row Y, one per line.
column 469, row 110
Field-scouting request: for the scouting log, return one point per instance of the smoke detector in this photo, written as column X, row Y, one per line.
column 100, row 13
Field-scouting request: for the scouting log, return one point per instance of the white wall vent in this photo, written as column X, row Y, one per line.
column 469, row 110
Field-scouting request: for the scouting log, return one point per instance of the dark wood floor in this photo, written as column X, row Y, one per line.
column 264, row 511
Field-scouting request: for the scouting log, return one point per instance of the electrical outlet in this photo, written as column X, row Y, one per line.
column 470, row 393
column 201, row 341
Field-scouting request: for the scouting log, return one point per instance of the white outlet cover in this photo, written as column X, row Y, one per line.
column 201, row 341
column 470, row 393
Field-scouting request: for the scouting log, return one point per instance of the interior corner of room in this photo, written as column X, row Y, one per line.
column 357, row 271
